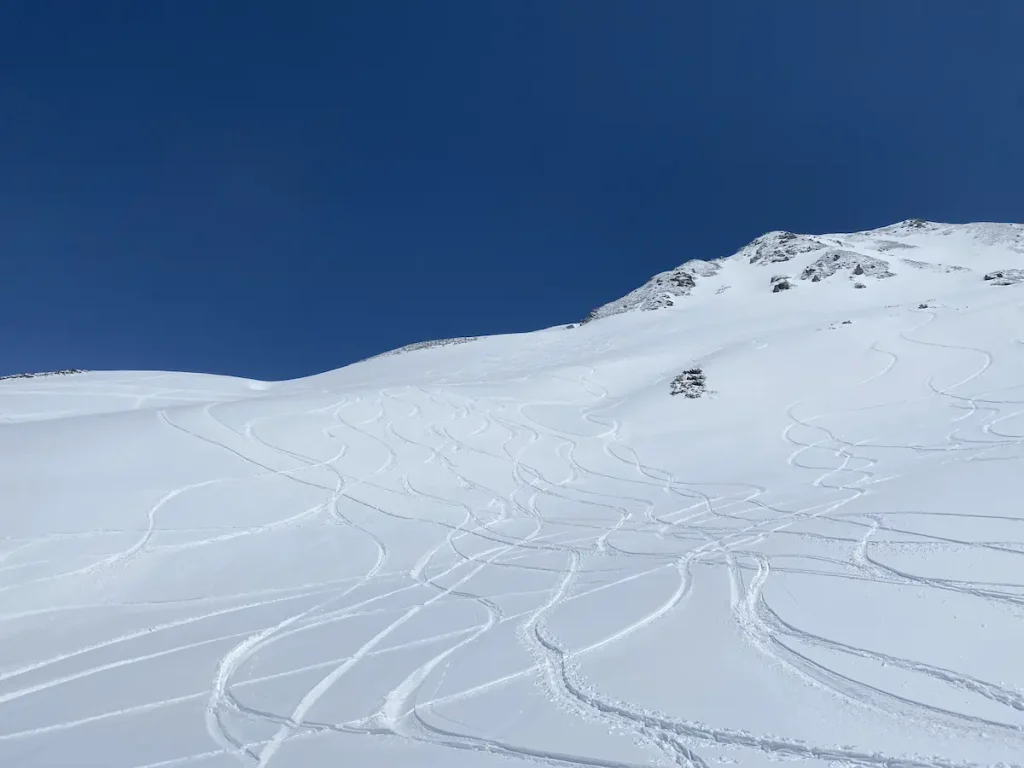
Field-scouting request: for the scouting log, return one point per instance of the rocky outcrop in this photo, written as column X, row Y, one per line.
column 41, row 374
column 776, row 247
column 1005, row 277
column 834, row 260
column 910, row 226
column 691, row 383
column 660, row 291
column 424, row 345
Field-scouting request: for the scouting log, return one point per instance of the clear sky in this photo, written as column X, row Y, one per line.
column 272, row 189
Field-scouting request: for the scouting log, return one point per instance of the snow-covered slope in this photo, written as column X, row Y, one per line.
column 525, row 550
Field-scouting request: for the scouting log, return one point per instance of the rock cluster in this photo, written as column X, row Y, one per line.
column 64, row 372
column 690, row 383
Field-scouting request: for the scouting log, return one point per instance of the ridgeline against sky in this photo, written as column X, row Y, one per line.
column 224, row 187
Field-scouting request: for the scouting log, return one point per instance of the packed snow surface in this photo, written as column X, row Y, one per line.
column 523, row 550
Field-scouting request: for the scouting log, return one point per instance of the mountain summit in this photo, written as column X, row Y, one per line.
column 780, row 260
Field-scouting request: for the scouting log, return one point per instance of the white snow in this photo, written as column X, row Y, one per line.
column 524, row 550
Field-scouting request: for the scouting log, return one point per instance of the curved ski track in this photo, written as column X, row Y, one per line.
column 632, row 521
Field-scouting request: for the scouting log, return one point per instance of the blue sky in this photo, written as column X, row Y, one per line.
column 273, row 189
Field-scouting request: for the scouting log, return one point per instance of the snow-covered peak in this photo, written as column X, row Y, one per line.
column 985, row 232
column 909, row 226
column 778, row 260
column 778, row 246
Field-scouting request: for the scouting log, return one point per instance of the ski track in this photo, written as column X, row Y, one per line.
column 404, row 465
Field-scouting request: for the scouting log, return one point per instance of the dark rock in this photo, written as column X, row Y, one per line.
column 691, row 383
column 1005, row 277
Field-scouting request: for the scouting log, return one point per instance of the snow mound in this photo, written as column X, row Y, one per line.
column 925, row 265
column 891, row 245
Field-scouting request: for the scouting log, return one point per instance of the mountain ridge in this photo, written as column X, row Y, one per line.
column 868, row 254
